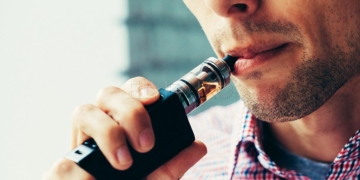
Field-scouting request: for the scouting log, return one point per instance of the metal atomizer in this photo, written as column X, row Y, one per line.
column 169, row 121
column 203, row 82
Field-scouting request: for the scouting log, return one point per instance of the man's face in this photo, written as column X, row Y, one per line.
column 293, row 55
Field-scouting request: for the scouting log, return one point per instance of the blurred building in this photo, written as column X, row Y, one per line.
column 165, row 42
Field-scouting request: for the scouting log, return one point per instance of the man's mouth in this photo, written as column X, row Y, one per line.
column 251, row 58
column 252, row 51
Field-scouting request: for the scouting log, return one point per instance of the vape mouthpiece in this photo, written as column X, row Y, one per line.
column 230, row 61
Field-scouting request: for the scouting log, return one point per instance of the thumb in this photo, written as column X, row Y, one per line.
column 141, row 89
column 177, row 166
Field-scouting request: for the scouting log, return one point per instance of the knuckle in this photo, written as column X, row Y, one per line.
column 113, row 132
column 108, row 90
column 85, row 108
column 107, row 95
column 137, row 111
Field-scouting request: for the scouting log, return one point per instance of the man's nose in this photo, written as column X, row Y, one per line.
column 233, row 8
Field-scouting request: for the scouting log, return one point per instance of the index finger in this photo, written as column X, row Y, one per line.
column 141, row 89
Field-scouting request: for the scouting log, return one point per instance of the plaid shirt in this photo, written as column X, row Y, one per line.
column 234, row 149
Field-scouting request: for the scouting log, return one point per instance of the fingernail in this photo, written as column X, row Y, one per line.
column 123, row 155
column 148, row 91
column 146, row 139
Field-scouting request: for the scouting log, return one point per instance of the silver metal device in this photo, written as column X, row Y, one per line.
column 201, row 83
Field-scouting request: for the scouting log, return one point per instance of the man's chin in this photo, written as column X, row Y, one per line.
column 268, row 115
column 274, row 112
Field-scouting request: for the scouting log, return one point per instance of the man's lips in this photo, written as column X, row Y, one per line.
column 250, row 59
column 252, row 51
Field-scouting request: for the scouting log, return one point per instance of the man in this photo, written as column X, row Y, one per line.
column 297, row 74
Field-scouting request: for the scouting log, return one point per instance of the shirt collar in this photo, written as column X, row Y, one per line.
column 351, row 150
column 252, row 133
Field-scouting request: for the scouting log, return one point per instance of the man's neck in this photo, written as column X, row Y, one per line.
column 321, row 135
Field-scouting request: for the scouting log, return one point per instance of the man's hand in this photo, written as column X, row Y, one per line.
column 119, row 114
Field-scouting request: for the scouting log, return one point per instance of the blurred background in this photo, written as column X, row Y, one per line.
column 56, row 55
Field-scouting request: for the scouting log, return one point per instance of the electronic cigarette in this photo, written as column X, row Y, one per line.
column 169, row 120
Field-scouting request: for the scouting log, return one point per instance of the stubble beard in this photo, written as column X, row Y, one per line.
column 310, row 86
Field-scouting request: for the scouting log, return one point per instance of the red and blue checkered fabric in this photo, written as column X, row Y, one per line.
column 234, row 150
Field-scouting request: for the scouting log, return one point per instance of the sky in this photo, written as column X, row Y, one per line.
column 54, row 56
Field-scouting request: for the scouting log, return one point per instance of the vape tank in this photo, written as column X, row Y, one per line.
column 202, row 83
